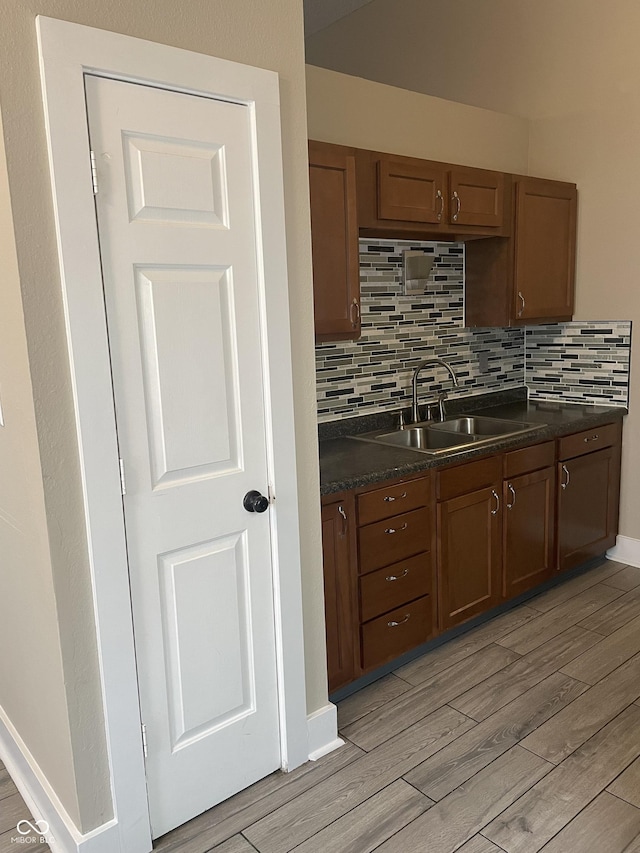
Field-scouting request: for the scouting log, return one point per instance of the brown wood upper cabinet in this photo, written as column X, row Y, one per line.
column 334, row 238
column 423, row 198
column 528, row 278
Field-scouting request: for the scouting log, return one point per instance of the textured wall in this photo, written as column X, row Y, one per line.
column 32, row 693
column 352, row 111
column 265, row 33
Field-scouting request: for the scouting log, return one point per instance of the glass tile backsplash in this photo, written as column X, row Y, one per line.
column 585, row 362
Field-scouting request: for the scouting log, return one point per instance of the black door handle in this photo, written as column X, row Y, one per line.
column 255, row 502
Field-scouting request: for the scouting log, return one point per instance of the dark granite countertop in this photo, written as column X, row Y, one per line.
column 346, row 462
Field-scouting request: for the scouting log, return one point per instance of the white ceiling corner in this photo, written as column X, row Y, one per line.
column 319, row 14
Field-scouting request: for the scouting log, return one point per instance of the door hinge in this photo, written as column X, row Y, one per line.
column 94, row 173
column 123, row 486
column 144, row 741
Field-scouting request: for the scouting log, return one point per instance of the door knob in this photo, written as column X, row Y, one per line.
column 255, row 502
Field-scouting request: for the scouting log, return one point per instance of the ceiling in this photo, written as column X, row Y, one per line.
column 319, row 14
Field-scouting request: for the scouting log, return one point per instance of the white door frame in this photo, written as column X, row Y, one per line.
column 67, row 52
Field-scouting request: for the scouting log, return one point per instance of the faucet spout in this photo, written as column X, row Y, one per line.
column 429, row 362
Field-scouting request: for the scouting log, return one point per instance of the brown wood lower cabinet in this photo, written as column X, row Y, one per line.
column 500, row 525
column 396, row 632
column 339, row 591
column 395, row 568
column 528, row 530
column 588, row 498
column 469, row 555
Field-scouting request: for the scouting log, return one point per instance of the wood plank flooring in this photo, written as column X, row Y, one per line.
column 12, row 810
column 521, row 735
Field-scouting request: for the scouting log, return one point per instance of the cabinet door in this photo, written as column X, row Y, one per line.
column 339, row 593
column 545, row 250
column 588, row 494
column 528, row 527
column 469, row 545
column 411, row 190
column 334, row 239
column 476, row 197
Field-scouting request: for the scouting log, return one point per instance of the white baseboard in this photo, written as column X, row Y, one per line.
column 626, row 550
column 323, row 731
column 63, row 836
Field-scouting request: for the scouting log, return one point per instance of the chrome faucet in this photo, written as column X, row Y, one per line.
column 415, row 413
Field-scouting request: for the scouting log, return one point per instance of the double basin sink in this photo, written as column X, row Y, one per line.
column 451, row 435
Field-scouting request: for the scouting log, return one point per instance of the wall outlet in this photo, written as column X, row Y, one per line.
column 483, row 361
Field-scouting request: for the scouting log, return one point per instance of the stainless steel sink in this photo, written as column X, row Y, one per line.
column 420, row 438
column 450, row 436
column 481, row 426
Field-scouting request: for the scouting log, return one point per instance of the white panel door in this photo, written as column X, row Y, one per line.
column 181, row 266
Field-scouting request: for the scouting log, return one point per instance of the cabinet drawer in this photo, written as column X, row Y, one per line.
column 385, row 589
column 390, row 500
column 469, row 477
column 390, row 541
column 588, row 440
column 519, row 462
column 397, row 632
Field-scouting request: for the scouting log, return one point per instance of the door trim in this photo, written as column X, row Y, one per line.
column 67, row 52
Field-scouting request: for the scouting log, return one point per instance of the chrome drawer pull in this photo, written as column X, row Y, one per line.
column 567, row 475
column 497, row 500
column 440, row 197
column 594, row 437
column 397, row 529
column 390, row 498
column 513, row 497
column 401, row 622
column 397, row 577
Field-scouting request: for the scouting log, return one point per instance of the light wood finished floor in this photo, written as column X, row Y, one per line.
column 521, row 735
column 13, row 810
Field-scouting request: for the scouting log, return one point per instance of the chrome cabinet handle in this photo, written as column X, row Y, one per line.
column 344, row 519
column 455, row 197
column 392, row 578
column 567, row 475
column 393, row 624
column 593, row 437
column 441, row 198
column 355, row 309
column 521, row 311
column 397, row 529
column 495, row 495
column 513, row 497
column 390, row 498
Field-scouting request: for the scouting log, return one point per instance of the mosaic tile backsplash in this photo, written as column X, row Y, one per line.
column 584, row 362
column 374, row 373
